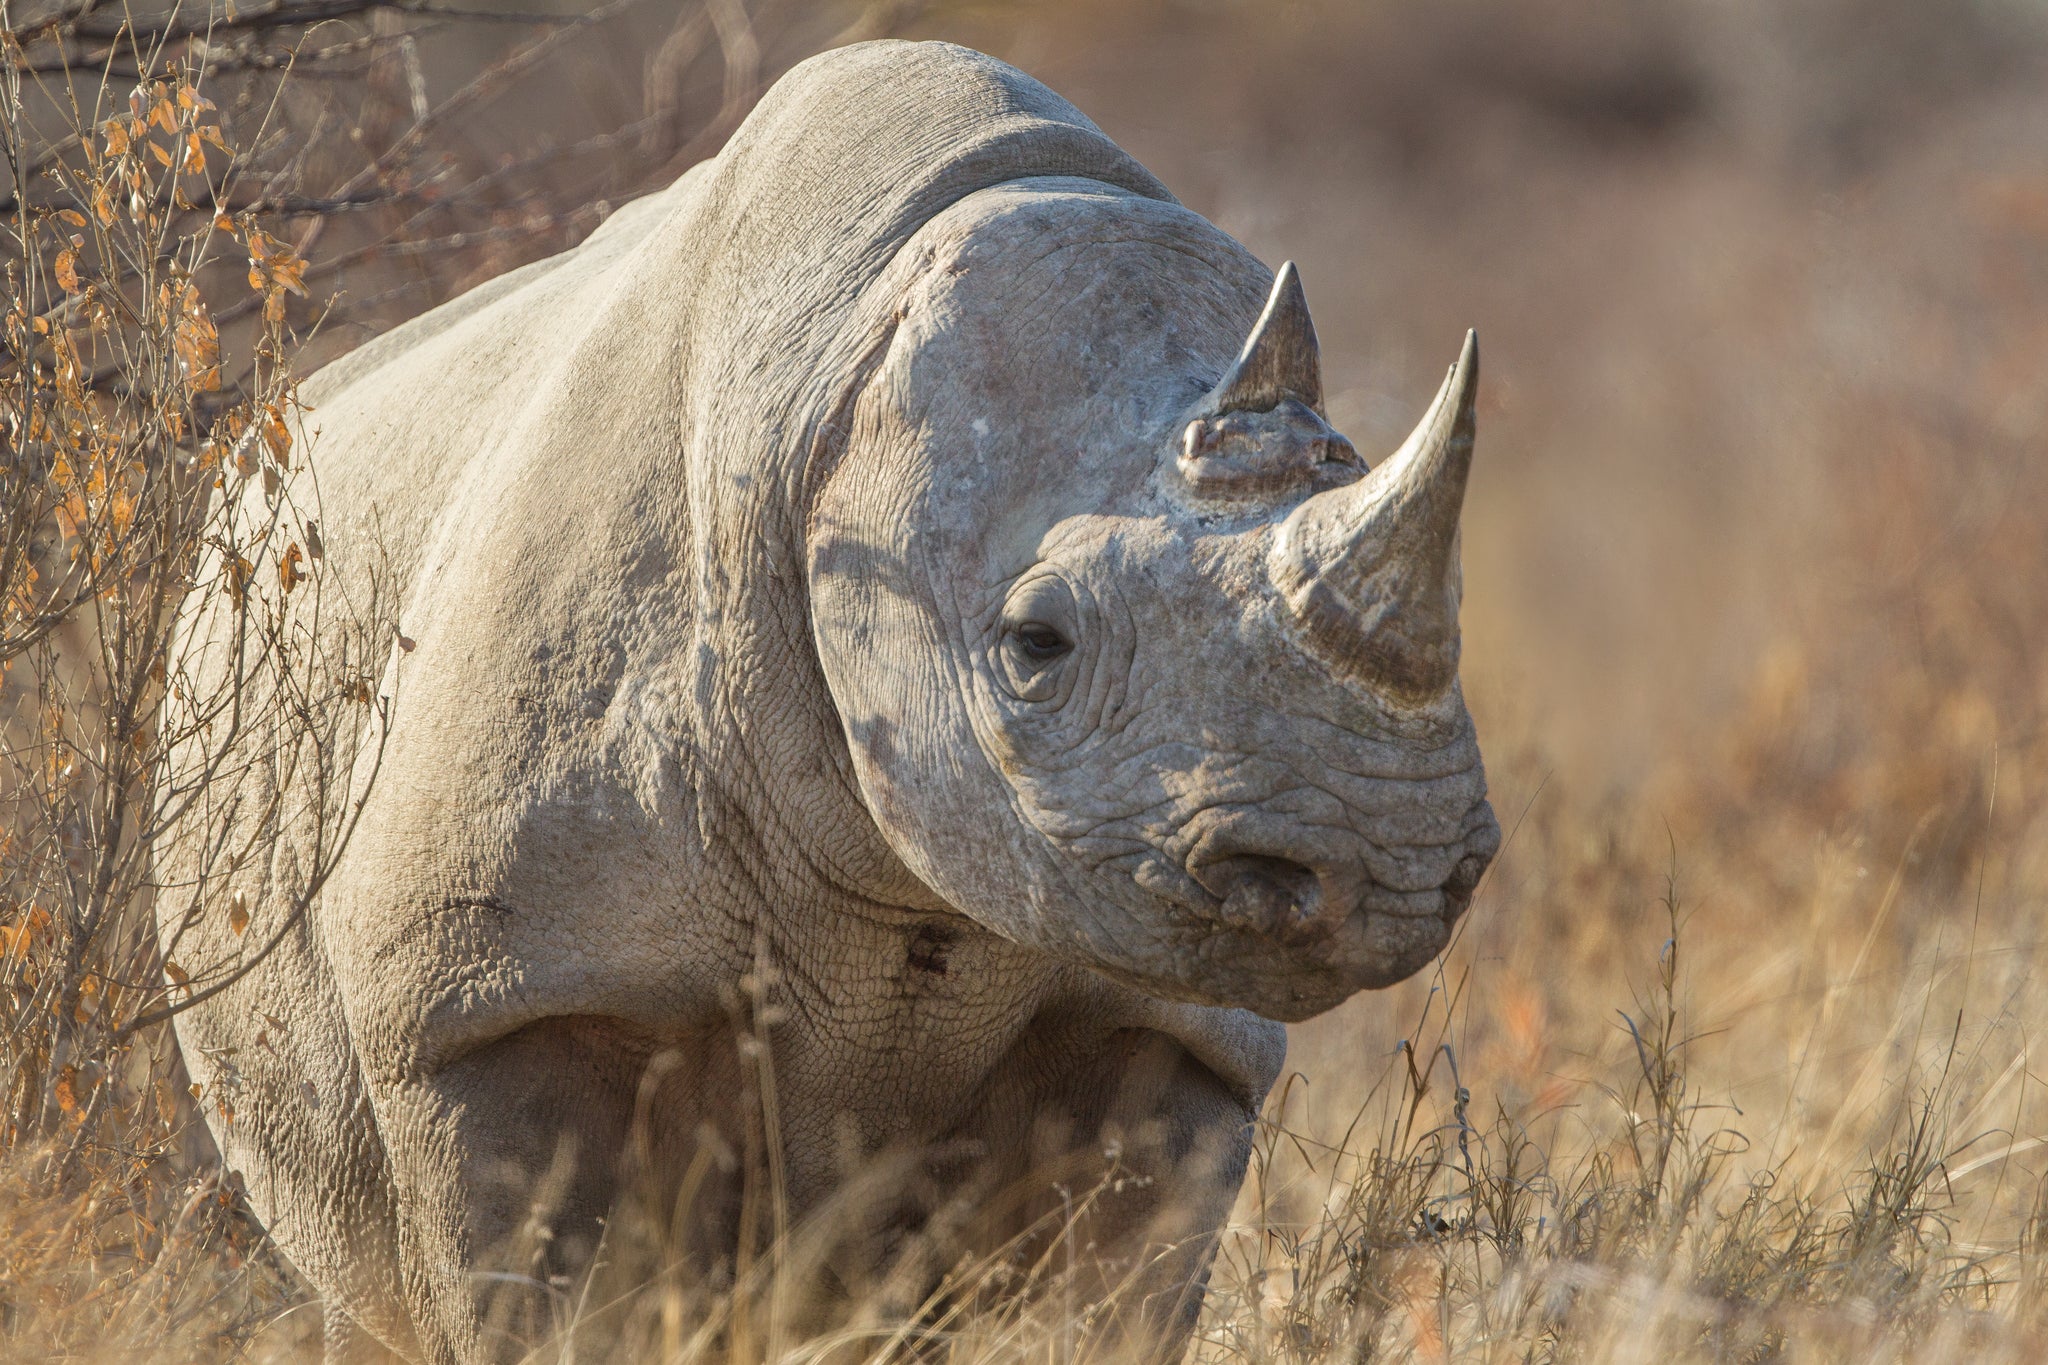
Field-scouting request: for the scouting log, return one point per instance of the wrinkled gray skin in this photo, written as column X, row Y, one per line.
column 899, row 554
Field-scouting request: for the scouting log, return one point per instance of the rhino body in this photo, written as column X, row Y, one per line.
column 845, row 674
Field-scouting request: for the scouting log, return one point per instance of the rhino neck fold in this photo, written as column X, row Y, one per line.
column 774, row 279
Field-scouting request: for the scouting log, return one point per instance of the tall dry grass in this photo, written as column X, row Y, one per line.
column 1732, row 1059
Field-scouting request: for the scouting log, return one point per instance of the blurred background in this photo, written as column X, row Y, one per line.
column 1733, row 264
column 1755, row 544
column 1756, row 549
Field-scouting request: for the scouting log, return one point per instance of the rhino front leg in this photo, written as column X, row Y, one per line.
column 506, row 1162
column 344, row 1341
column 1132, row 1152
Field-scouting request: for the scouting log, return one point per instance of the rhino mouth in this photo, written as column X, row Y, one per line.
column 1259, row 875
column 1289, row 901
column 1289, row 930
column 1313, row 962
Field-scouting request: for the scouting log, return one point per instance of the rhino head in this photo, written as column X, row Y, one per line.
column 1138, row 661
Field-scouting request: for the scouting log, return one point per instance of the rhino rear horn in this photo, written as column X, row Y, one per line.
column 1280, row 359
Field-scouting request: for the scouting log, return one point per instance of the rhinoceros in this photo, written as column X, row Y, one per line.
column 887, row 655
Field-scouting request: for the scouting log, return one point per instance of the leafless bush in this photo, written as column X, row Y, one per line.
column 132, row 470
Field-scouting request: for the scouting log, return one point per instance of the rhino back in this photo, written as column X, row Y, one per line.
column 402, row 425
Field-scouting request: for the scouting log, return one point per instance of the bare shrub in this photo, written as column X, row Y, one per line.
column 132, row 463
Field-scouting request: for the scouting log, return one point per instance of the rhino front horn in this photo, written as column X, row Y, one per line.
column 1370, row 570
column 1280, row 359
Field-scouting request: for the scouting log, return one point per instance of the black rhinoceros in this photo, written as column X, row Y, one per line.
column 889, row 606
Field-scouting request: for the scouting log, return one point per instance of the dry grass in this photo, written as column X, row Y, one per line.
column 1732, row 1060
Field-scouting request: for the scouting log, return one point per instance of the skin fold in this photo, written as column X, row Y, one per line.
column 864, row 668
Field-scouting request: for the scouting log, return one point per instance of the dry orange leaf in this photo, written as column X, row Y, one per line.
column 67, row 270
column 197, row 343
column 290, row 272
column 240, row 571
column 238, row 913
column 289, row 575
column 275, row 434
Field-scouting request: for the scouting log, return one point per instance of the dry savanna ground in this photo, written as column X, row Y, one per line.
column 1732, row 1058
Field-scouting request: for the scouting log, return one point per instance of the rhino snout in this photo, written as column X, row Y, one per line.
column 1265, row 894
column 1274, row 879
column 1297, row 892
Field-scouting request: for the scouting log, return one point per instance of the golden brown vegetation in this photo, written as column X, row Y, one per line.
column 120, row 428
column 1732, row 1060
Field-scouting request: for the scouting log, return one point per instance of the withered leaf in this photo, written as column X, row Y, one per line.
column 276, row 435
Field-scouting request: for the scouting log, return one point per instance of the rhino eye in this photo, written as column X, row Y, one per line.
column 1037, row 634
column 1041, row 641
column 1029, row 660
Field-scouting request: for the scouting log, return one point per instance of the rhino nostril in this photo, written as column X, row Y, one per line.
column 1264, row 893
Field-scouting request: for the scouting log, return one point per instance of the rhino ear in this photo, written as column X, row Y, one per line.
column 1280, row 359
